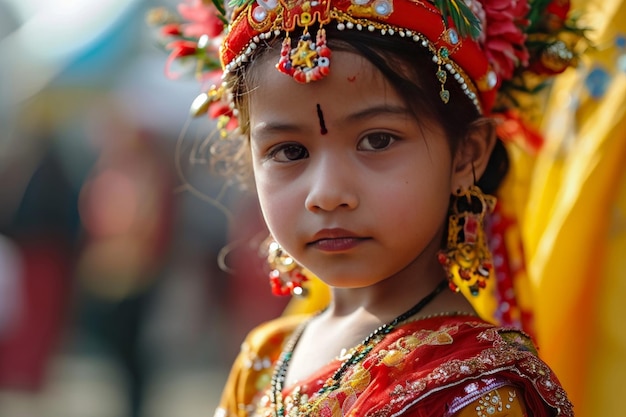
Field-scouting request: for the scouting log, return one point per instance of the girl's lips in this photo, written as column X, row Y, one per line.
column 339, row 244
column 336, row 240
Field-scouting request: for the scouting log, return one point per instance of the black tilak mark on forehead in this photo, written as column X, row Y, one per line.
column 320, row 115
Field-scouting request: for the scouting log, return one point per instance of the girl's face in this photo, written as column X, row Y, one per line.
column 350, row 183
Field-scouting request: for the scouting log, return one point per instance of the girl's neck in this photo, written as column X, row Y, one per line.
column 394, row 295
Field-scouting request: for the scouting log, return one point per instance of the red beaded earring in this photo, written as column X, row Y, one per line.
column 286, row 275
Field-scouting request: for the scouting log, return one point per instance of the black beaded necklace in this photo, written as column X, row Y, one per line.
column 357, row 355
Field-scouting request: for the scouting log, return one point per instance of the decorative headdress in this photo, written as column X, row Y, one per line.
column 492, row 48
column 496, row 50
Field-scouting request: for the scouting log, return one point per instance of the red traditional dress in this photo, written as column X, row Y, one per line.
column 448, row 365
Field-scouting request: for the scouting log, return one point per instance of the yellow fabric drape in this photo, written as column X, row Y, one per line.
column 574, row 225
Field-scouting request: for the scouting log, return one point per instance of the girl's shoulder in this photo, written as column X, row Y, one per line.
column 253, row 366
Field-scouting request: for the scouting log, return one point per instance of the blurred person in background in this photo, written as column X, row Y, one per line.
column 43, row 230
column 127, row 213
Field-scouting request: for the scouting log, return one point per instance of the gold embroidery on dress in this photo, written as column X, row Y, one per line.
column 399, row 349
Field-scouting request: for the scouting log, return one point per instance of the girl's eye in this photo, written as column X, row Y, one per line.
column 376, row 142
column 288, row 152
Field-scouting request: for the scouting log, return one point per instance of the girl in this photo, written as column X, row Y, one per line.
column 367, row 128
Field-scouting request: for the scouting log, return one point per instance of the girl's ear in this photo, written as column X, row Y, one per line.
column 473, row 152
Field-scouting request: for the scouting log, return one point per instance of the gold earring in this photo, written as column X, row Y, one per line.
column 467, row 260
column 286, row 275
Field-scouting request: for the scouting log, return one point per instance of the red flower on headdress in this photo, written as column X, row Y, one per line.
column 180, row 49
column 202, row 17
column 503, row 38
column 200, row 20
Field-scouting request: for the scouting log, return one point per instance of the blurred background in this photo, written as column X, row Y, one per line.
column 112, row 303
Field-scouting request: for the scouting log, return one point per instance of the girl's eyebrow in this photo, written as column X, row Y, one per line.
column 268, row 129
column 378, row 110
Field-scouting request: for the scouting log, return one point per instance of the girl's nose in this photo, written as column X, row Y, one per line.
column 332, row 186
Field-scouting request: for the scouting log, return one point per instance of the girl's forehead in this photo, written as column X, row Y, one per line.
column 353, row 79
column 348, row 64
column 355, row 95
